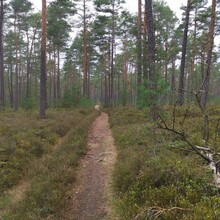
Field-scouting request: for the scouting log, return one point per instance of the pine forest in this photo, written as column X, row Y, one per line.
column 107, row 113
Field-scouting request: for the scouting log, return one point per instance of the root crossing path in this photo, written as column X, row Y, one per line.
column 91, row 192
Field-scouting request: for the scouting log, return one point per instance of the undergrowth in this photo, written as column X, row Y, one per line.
column 156, row 175
column 32, row 150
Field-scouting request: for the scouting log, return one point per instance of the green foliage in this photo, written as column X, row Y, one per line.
column 85, row 102
column 70, row 99
column 145, row 93
column 157, row 171
column 29, row 104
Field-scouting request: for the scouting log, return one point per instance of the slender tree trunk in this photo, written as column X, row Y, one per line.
column 101, row 88
column 205, row 86
column 109, row 74
column 181, row 88
column 173, row 78
column 85, row 50
column 194, row 53
column 11, row 86
column 145, row 47
column 124, row 103
column 105, row 81
column 16, row 96
column 29, row 56
column 151, row 58
column 166, row 60
column 88, row 85
column 139, row 51
column 112, row 52
column 203, row 54
column 58, row 75
column 43, row 78
column 2, row 89
column 50, row 67
column 55, row 80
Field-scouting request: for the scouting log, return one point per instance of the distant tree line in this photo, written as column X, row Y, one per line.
column 115, row 58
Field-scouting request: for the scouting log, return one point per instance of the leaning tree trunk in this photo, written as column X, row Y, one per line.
column 205, row 86
column 181, row 88
column 43, row 78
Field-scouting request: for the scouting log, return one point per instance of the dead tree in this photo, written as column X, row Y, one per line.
column 206, row 152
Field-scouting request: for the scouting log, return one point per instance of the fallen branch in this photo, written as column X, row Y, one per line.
column 203, row 148
column 155, row 212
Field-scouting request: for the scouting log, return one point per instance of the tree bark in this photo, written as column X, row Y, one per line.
column 181, row 88
column 205, row 86
column 85, row 50
column 58, row 75
column 54, row 80
column 16, row 95
column 139, row 51
column 151, row 58
column 125, row 90
column 112, row 53
column 43, row 77
column 194, row 53
column 29, row 56
column 145, row 46
column 2, row 95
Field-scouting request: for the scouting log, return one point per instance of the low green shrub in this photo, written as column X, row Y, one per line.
column 156, row 174
column 51, row 175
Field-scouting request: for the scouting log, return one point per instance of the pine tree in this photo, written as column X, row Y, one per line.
column 43, row 78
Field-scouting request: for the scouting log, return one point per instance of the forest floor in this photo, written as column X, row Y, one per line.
column 90, row 196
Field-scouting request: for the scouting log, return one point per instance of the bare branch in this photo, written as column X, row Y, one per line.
column 155, row 212
column 202, row 148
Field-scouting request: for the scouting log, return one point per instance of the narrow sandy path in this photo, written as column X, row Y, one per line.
column 89, row 199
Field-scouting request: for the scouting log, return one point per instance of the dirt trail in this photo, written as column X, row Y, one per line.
column 90, row 194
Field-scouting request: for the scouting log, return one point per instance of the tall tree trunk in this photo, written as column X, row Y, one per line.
column 205, row 86
column 50, row 67
column 55, row 80
column 173, row 78
column 85, row 50
column 166, row 60
column 139, row 51
column 112, row 52
column 192, row 72
column 88, row 83
column 11, row 85
column 16, row 96
column 105, row 80
column 124, row 102
column 58, row 75
column 109, row 74
column 145, row 46
column 29, row 56
column 181, row 88
column 151, row 58
column 2, row 90
column 43, row 77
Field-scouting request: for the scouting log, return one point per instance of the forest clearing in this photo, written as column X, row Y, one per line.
column 156, row 174
column 107, row 113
